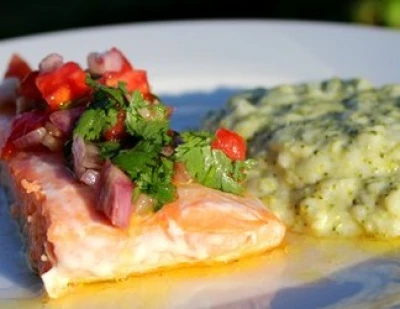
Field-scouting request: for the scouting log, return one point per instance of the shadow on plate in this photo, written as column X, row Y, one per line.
column 16, row 278
column 191, row 107
column 372, row 284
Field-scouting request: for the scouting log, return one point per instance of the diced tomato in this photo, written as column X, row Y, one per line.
column 117, row 132
column 63, row 85
column 28, row 86
column 21, row 125
column 134, row 79
column 230, row 143
column 17, row 67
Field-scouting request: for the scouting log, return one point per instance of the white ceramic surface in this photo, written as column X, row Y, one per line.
column 195, row 66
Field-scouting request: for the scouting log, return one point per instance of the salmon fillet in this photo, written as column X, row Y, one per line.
column 70, row 237
column 69, row 242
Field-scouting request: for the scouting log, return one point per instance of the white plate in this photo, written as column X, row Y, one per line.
column 196, row 66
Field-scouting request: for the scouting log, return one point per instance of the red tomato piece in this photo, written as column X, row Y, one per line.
column 17, row 67
column 230, row 143
column 65, row 84
column 134, row 79
column 21, row 125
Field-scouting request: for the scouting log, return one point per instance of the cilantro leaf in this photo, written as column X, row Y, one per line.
column 208, row 166
column 93, row 122
column 241, row 169
column 147, row 120
column 102, row 112
column 108, row 94
column 138, row 158
column 161, row 187
column 151, row 172
column 109, row 149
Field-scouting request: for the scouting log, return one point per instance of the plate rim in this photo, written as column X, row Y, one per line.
column 315, row 24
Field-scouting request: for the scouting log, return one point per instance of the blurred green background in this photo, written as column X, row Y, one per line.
column 27, row 17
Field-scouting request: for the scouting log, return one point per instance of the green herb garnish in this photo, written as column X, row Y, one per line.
column 147, row 120
column 151, row 172
column 109, row 149
column 102, row 111
column 140, row 153
column 211, row 167
column 93, row 123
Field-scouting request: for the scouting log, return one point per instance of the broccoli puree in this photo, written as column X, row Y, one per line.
column 328, row 154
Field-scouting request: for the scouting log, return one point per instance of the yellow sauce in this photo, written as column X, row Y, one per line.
column 299, row 260
column 151, row 290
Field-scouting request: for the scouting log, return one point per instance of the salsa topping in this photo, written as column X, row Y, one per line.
column 62, row 85
column 117, row 137
column 209, row 165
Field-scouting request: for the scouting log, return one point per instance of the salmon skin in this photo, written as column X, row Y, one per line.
column 69, row 242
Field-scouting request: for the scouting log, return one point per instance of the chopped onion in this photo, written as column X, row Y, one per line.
column 99, row 63
column 114, row 195
column 85, row 155
column 65, row 119
column 32, row 138
column 143, row 205
column 92, row 158
column 90, row 177
column 181, row 175
column 53, row 130
column 51, row 63
column 78, row 153
column 145, row 113
column 167, row 151
column 53, row 143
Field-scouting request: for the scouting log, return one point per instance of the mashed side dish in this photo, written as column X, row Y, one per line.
column 328, row 154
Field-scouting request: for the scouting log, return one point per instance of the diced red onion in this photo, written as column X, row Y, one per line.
column 181, row 175
column 85, row 156
column 90, row 177
column 167, row 151
column 65, row 119
column 98, row 63
column 8, row 90
column 145, row 113
column 53, row 143
column 32, row 138
column 114, row 195
column 78, row 153
column 92, row 158
column 53, row 130
column 51, row 63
